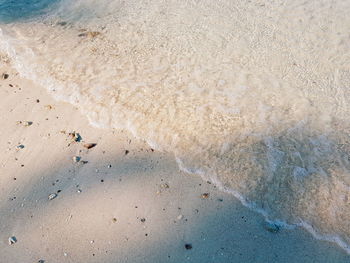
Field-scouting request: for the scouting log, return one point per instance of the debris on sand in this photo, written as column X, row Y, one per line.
column 205, row 196
column 272, row 227
column 12, row 240
column 61, row 23
column 90, row 34
column 52, row 196
column 76, row 159
column 5, row 76
column 21, row 146
column 165, row 186
column 75, row 136
column 48, row 107
column 188, row 246
column 89, row 145
column 24, row 123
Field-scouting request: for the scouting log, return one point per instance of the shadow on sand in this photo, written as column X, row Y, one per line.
column 81, row 224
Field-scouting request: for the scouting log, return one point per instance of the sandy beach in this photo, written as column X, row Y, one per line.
column 119, row 201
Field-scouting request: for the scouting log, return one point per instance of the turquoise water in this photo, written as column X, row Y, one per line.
column 16, row 10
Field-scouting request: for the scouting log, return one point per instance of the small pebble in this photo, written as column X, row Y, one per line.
column 205, row 196
column 179, row 217
column 271, row 227
column 5, row 76
column 21, row 146
column 89, row 145
column 188, row 246
column 41, row 261
column 12, row 240
column 52, row 196
column 27, row 123
column 164, row 185
column 76, row 159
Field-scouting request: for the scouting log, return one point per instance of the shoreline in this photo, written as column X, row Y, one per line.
column 128, row 202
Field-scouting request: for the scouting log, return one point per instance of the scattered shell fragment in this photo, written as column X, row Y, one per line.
column 179, row 217
column 12, row 240
column 89, row 145
column 52, row 196
column 205, row 196
column 76, row 159
column 48, row 107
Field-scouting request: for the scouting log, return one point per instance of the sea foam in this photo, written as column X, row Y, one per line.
column 253, row 99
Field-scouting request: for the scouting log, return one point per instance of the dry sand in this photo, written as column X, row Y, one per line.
column 128, row 203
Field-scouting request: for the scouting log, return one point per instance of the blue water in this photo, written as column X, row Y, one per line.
column 19, row 10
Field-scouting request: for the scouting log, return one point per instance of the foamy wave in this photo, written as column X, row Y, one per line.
column 247, row 107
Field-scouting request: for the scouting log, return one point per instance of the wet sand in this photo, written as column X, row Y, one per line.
column 122, row 202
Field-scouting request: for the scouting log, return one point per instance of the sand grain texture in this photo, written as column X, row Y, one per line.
column 117, row 207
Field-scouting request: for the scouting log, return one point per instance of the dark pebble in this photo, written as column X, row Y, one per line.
column 188, row 246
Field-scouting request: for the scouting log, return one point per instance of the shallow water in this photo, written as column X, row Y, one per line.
column 252, row 96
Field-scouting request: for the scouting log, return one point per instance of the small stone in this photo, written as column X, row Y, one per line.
column 27, row 123
column 188, row 246
column 79, row 191
column 75, row 136
column 52, row 196
column 89, row 145
column 5, row 76
column 164, row 186
column 179, row 217
column 109, row 166
column 48, row 107
column 41, row 261
column 143, row 220
column 62, row 23
column 205, row 196
column 12, row 240
column 272, row 227
column 76, row 159
column 114, row 220
column 21, row 146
